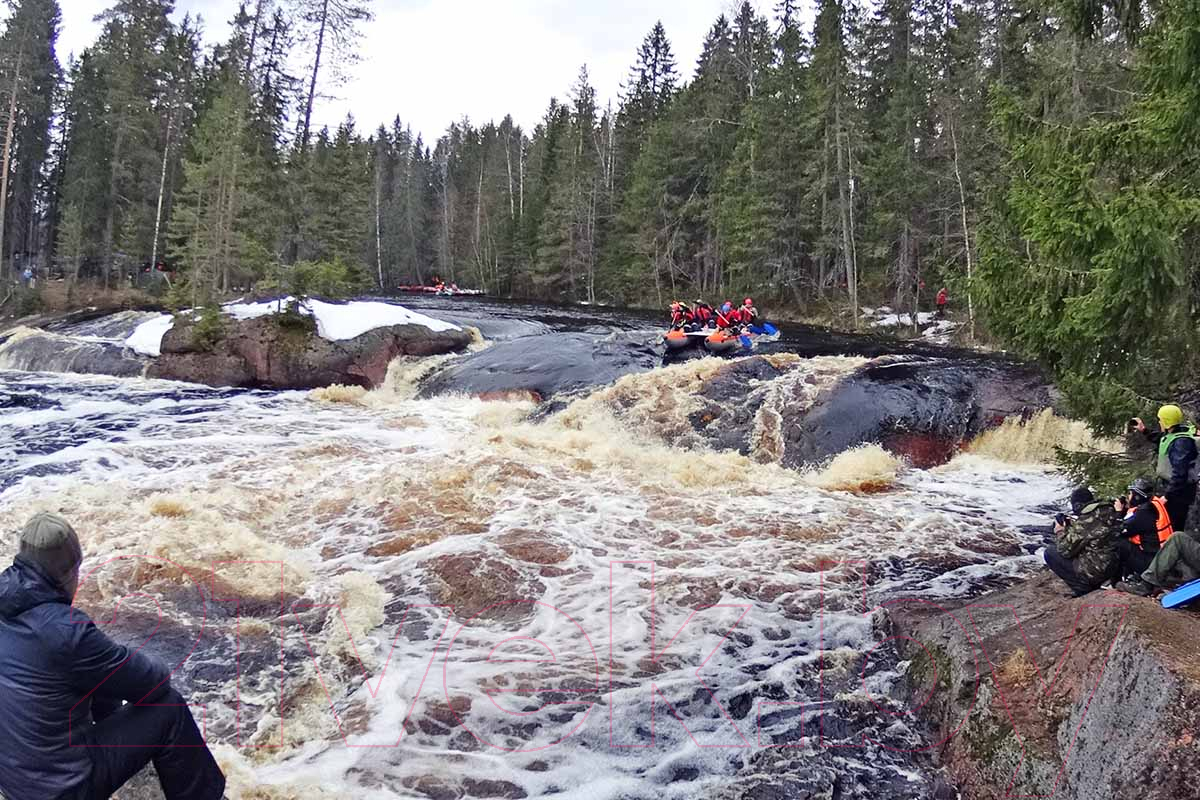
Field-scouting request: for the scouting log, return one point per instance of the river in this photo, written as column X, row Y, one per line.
column 419, row 593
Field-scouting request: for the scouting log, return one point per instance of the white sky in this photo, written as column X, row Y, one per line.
column 435, row 61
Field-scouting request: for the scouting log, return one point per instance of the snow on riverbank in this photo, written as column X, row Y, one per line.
column 337, row 322
column 932, row 329
column 147, row 338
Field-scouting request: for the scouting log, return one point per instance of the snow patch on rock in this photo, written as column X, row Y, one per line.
column 337, row 322
column 146, row 338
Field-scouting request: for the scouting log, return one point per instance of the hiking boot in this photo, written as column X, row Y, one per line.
column 1138, row 587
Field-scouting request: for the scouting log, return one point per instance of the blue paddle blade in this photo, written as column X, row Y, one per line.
column 1182, row 596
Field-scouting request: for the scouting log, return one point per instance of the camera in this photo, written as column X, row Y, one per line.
column 1062, row 519
column 1132, row 425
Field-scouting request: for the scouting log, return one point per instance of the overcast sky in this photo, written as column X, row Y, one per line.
column 434, row 61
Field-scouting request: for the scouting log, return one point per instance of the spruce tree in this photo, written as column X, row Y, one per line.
column 29, row 78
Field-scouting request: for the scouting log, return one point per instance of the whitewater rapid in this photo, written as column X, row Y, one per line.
column 438, row 598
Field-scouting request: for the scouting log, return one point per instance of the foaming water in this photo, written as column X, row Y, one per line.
column 863, row 470
column 1036, row 439
column 541, row 566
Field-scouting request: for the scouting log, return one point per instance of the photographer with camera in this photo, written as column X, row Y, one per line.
column 1084, row 554
column 1146, row 527
column 1178, row 462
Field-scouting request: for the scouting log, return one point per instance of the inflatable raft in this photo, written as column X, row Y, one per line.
column 677, row 339
column 724, row 343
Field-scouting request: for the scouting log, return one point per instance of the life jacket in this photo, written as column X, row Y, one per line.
column 1165, row 470
column 748, row 314
column 1162, row 524
column 681, row 319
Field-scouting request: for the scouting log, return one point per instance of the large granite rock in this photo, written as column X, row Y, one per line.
column 1038, row 694
column 262, row 354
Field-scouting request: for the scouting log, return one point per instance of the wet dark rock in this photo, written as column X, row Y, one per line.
column 492, row 788
column 27, row 401
column 261, row 353
column 1127, row 680
column 43, row 351
column 548, row 365
column 433, row 787
column 482, row 586
column 684, row 774
column 899, row 402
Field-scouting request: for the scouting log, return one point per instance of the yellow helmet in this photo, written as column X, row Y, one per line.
column 1170, row 416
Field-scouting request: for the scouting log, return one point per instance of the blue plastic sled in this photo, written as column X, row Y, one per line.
column 766, row 329
column 1182, row 596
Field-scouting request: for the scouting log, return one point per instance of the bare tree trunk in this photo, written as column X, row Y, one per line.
column 512, row 203
column 110, row 217
column 379, row 219
column 258, row 10
column 162, row 190
column 823, row 260
column 8, row 137
column 446, row 220
column 480, row 260
column 844, row 191
column 312, row 84
column 962, row 201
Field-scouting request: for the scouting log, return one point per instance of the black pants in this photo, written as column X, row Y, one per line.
column 1179, row 504
column 1134, row 560
column 1063, row 568
column 123, row 743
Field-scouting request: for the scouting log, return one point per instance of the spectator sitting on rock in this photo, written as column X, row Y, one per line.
column 79, row 714
column 1084, row 554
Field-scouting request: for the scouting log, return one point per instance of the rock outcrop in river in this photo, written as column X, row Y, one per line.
column 262, row 354
column 796, row 412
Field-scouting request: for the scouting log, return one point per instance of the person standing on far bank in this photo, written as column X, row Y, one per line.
column 1178, row 461
column 79, row 714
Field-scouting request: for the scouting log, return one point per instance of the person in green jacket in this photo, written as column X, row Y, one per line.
column 1084, row 554
column 1178, row 463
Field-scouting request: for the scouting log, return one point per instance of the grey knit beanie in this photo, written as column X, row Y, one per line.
column 50, row 542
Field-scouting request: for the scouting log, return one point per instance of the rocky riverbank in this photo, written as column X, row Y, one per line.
column 1032, row 693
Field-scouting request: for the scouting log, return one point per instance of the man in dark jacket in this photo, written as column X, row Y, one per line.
column 64, row 733
column 1176, row 464
column 1084, row 554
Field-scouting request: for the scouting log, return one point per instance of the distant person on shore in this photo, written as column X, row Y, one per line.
column 943, row 299
column 1178, row 461
column 1084, row 553
column 64, row 732
column 1146, row 527
column 27, row 278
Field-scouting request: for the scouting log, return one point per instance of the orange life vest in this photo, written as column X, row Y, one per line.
column 1165, row 529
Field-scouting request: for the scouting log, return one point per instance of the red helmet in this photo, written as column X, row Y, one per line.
column 749, row 301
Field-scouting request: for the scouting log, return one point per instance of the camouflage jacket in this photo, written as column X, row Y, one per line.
column 1090, row 542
